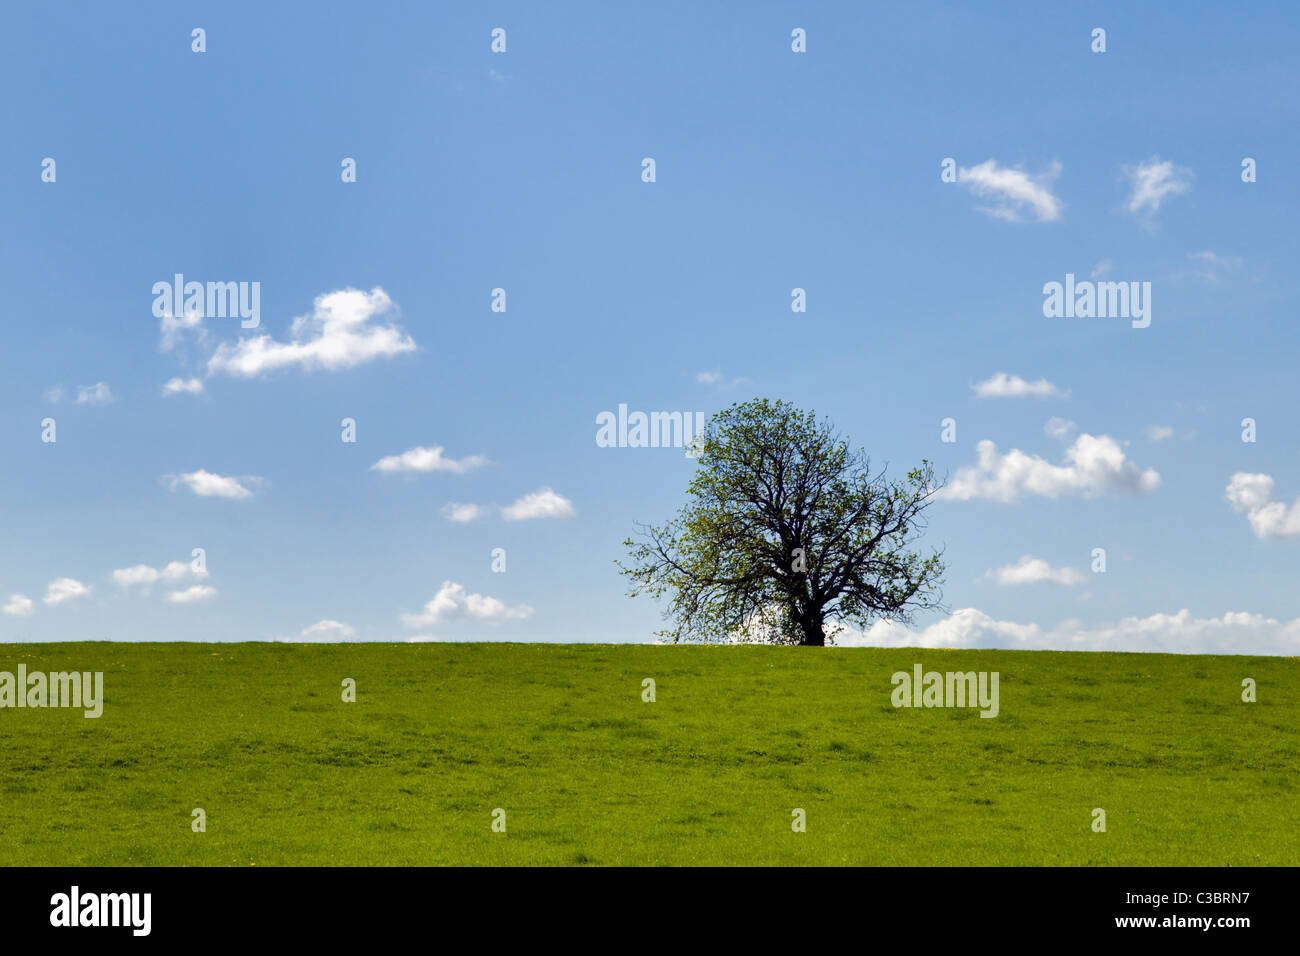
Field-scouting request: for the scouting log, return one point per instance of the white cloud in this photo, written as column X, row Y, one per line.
column 197, row 592
column 1253, row 494
column 1154, row 182
column 1031, row 570
column 1002, row 385
column 1159, row 432
column 209, row 485
column 1093, row 465
column 428, row 459
column 139, row 574
column 1013, row 192
column 453, row 603
column 1179, row 633
column 182, row 386
column 327, row 630
column 1101, row 269
column 146, row 575
column 19, row 606
column 179, row 570
column 172, row 329
column 65, row 589
column 97, row 394
column 1060, row 428
column 54, row 394
column 542, row 503
column 715, row 377
column 461, row 513
column 337, row 334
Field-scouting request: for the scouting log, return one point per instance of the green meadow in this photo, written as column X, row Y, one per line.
column 586, row 772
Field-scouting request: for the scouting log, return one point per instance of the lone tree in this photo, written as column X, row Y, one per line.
column 787, row 530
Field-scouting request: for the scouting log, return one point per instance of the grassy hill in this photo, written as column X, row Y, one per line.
column 559, row 738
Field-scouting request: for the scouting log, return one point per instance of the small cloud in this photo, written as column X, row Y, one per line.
column 325, row 631
column 62, row 590
column 1253, row 495
column 172, row 330
column 54, row 394
column 1101, row 270
column 97, row 394
column 198, row 592
column 461, row 513
column 139, row 574
column 1153, row 182
column 428, row 459
column 715, row 377
column 1013, row 192
column 20, row 606
column 1031, row 570
column 143, row 574
column 453, row 603
column 1211, row 267
column 1002, row 385
column 1060, row 428
column 1159, row 432
column 209, row 485
column 542, row 503
column 182, row 386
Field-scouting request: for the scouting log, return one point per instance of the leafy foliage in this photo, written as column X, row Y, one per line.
column 786, row 531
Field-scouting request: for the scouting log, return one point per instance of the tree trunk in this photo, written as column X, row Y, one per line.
column 814, row 635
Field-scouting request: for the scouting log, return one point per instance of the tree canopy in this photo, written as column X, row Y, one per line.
column 787, row 534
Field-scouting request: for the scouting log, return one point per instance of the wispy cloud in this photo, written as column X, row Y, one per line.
column 97, row 394
column 1002, row 385
column 1212, row 267
column 1012, row 193
column 1154, row 181
column 1060, row 428
column 461, row 513
column 206, row 484
column 182, row 386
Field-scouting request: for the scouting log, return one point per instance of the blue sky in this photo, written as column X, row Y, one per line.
column 522, row 170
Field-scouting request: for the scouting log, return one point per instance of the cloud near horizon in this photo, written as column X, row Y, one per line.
column 1179, row 633
column 453, row 602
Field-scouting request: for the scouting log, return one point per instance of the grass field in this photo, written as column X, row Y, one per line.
column 558, row 736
